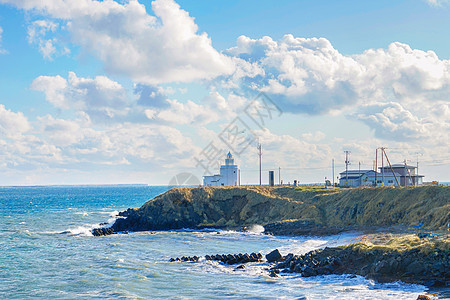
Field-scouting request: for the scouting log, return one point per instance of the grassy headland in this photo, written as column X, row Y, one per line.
column 283, row 209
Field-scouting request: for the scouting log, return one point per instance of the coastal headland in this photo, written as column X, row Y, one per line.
column 415, row 218
column 288, row 210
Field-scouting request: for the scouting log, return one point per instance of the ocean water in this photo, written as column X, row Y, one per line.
column 47, row 251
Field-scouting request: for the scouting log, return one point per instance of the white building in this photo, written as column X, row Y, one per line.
column 406, row 176
column 367, row 178
column 229, row 174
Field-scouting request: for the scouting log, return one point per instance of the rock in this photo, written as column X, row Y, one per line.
column 308, row 272
column 241, row 267
column 272, row 273
column 423, row 297
column 274, row 256
column 415, row 268
column 102, row 231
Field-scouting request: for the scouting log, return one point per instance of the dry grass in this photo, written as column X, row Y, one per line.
column 402, row 242
column 385, row 206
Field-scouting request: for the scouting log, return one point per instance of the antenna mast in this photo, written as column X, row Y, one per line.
column 347, row 162
column 260, row 154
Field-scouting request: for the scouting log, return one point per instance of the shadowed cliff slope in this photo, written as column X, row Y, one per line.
column 233, row 207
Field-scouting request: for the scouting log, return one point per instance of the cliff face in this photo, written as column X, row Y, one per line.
column 243, row 206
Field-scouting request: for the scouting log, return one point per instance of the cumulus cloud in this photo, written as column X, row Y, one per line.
column 307, row 75
column 151, row 95
column 392, row 121
column 101, row 98
column 212, row 108
column 150, row 49
column 12, row 124
column 38, row 33
column 74, row 144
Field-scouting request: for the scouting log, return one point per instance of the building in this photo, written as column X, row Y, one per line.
column 367, row 178
column 408, row 174
column 229, row 174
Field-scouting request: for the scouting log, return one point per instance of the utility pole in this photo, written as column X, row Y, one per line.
column 347, row 162
column 392, row 170
column 279, row 175
column 332, row 163
column 359, row 174
column 416, row 183
column 376, row 166
column 382, row 166
column 406, row 181
column 260, row 154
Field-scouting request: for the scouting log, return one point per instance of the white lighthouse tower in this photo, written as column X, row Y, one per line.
column 229, row 174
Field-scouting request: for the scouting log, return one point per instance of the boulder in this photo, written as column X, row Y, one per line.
column 274, row 256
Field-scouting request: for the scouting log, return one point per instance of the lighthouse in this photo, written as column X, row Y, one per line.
column 229, row 174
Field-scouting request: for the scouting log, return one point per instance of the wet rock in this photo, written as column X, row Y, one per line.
column 308, row 272
column 272, row 273
column 274, row 256
column 102, row 231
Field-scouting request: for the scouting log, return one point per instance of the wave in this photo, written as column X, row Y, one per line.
column 86, row 229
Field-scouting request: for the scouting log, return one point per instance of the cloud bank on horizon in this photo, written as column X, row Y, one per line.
column 400, row 93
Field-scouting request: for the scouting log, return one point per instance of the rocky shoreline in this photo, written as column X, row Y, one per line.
column 408, row 258
column 421, row 259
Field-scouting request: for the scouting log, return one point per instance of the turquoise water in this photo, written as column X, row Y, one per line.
column 47, row 252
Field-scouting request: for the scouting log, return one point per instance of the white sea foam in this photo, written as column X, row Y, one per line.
column 82, row 213
column 85, row 230
column 256, row 229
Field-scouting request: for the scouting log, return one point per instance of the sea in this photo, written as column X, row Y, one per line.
column 47, row 251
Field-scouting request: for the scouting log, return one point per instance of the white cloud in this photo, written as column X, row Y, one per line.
column 131, row 42
column 12, row 124
column 38, row 33
column 212, row 108
column 436, row 2
column 313, row 136
column 310, row 76
column 2, row 51
column 101, row 98
column 392, row 121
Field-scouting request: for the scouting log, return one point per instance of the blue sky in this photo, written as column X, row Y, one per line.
column 135, row 91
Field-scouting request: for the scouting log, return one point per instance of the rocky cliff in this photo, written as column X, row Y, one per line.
column 290, row 210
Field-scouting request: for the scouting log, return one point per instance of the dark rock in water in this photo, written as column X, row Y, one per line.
column 274, row 256
column 229, row 259
column 241, row 267
column 272, row 273
column 423, row 297
column 308, row 272
column 102, row 231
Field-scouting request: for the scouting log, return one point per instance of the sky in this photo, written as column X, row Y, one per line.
column 131, row 92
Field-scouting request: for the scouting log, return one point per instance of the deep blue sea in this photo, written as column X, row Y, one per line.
column 47, row 251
